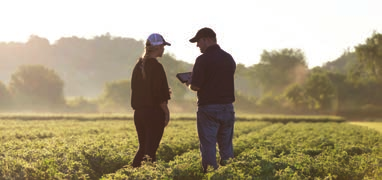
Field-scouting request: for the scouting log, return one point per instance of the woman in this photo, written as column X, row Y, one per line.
column 150, row 93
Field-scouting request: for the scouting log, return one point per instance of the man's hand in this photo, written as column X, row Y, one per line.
column 194, row 88
column 188, row 82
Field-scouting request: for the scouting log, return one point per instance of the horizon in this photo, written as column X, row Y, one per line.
column 322, row 30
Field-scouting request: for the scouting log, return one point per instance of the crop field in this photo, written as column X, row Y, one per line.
column 372, row 125
column 102, row 147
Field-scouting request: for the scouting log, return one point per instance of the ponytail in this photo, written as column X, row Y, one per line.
column 146, row 55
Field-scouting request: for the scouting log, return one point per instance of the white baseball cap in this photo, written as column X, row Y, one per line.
column 156, row 39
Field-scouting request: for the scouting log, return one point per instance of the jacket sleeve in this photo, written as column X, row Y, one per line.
column 198, row 73
column 160, row 88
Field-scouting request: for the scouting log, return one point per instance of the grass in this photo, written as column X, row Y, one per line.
column 274, row 118
column 371, row 125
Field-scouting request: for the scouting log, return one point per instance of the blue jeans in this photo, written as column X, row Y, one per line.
column 215, row 124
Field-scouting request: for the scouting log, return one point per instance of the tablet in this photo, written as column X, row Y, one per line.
column 184, row 77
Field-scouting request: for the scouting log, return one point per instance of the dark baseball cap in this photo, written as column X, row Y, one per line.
column 202, row 33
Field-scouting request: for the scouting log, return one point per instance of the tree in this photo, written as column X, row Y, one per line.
column 82, row 105
column 89, row 62
column 370, row 55
column 37, row 50
column 320, row 88
column 297, row 95
column 35, row 87
column 116, row 96
column 278, row 69
column 343, row 64
column 245, row 82
column 172, row 67
column 5, row 97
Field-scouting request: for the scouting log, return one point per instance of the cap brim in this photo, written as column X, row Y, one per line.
column 167, row 43
column 194, row 39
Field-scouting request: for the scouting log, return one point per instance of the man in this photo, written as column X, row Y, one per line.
column 213, row 79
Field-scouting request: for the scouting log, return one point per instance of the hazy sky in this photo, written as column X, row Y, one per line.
column 323, row 29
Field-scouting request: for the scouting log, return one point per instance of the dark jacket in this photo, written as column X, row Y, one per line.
column 213, row 73
column 152, row 90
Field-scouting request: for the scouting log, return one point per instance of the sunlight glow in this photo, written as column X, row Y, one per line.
column 323, row 30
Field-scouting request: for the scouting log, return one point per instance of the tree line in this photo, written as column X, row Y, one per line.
column 93, row 75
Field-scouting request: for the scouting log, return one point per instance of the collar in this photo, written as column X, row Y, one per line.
column 212, row 48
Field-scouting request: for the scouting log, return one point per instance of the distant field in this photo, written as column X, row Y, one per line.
column 372, row 125
column 75, row 146
column 178, row 116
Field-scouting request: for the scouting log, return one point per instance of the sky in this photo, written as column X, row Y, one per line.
column 322, row 29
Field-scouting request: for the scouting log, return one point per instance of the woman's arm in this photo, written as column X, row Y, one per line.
column 166, row 111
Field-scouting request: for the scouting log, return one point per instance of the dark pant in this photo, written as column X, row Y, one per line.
column 215, row 125
column 149, row 123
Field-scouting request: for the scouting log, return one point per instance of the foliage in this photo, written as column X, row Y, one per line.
column 320, row 88
column 278, row 69
column 116, row 96
column 269, row 102
column 104, row 149
column 5, row 97
column 297, row 95
column 278, row 82
column 76, row 60
column 246, row 84
column 172, row 66
column 372, row 125
column 37, row 87
column 370, row 55
column 81, row 105
column 244, row 103
column 89, row 62
column 343, row 64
